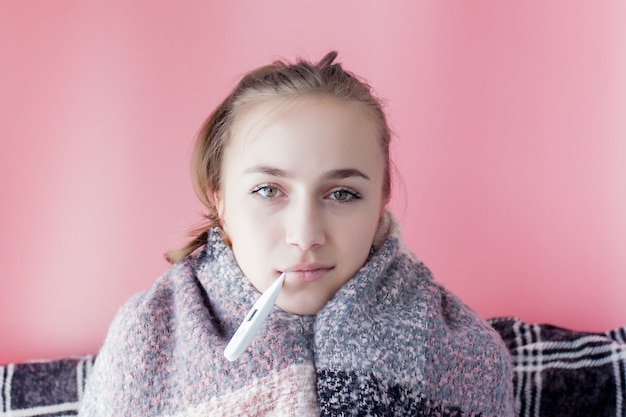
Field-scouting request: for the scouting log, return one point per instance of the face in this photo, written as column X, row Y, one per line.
column 302, row 193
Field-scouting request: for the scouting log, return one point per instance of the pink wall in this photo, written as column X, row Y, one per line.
column 511, row 142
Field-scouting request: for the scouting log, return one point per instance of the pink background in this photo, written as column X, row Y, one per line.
column 511, row 143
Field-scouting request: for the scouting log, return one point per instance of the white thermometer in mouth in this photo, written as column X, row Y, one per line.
column 251, row 324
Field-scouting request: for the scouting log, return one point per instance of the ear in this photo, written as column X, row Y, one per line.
column 216, row 198
column 218, row 201
column 383, row 206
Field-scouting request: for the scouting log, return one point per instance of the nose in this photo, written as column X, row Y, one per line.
column 305, row 225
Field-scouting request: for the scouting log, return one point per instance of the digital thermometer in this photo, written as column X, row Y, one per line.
column 250, row 325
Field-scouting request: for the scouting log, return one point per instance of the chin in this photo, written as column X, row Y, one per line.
column 306, row 308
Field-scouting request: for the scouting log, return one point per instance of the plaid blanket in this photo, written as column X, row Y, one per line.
column 51, row 388
column 558, row 373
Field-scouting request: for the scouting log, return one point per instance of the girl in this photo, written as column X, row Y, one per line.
column 293, row 168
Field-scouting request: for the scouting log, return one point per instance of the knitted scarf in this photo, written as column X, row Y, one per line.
column 391, row 342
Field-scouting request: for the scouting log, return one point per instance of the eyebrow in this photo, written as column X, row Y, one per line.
column 335, row 174
column 338, row 174
column 263, row 169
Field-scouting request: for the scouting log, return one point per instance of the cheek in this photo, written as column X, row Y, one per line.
column 248, row 227
column 357, row 233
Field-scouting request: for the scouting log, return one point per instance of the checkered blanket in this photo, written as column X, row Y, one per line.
column 558, row 372
column 51, row 388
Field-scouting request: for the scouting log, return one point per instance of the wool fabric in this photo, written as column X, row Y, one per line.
column 391, row 342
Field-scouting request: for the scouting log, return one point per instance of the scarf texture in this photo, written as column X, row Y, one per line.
column 391, row 342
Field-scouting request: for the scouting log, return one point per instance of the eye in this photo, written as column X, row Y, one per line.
column 266, row 191
column 344, row 195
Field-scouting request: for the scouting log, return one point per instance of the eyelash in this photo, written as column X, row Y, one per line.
column 350, row 197
column 258, row 190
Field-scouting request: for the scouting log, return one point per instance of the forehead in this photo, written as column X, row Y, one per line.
column 304, row 134
column 313, row 116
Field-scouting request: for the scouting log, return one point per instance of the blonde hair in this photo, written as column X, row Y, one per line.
column 277, row 79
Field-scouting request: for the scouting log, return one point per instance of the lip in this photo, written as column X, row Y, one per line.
column 306, row 272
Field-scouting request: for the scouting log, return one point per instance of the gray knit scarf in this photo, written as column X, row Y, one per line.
column 392, row 342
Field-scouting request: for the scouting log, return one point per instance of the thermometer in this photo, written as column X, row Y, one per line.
column 251, row 324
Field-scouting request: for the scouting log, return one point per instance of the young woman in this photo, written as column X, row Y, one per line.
column 293, row 168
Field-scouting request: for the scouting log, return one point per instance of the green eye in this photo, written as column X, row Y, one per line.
column 341, row 195
column 269, row 191
column 344, row 195
column 266, row 191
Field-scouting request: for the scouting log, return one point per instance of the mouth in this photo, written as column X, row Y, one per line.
column 304, row 273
